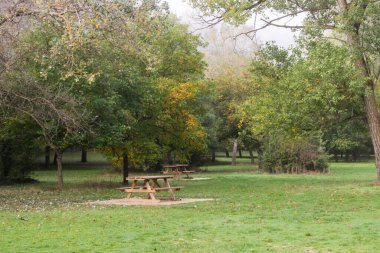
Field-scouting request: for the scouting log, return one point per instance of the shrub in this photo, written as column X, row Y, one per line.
column 18, row 150
column 293, row 155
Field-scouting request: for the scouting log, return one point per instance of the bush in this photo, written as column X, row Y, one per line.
column 293, row 155
column 18, row 150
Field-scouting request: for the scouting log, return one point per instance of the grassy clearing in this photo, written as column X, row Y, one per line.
column 254, row 212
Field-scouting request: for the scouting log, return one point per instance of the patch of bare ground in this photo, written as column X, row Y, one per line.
column 145, row 202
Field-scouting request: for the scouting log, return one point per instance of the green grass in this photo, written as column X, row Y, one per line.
column 253, row 212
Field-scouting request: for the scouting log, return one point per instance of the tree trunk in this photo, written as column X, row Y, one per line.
column 354, row 155
column 353, row 39
column 373, row 122
column 169, row 158
column 47, row 157
column 336, row 156
column 234, row 152
column 371, row 112
column 227, row 153
column 55, row 159
column 213, row 155
column 251, row 156
column 125, row 168
column 260, row 156
column 84, row 155
column 240, row 154
column 59, row 168
column 347, row 157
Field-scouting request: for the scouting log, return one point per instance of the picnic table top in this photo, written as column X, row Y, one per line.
column 149, row 177
column 175, row 165
column 169, row 166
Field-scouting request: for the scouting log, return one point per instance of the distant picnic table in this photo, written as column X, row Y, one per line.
column 177, row 169
column 150, row 185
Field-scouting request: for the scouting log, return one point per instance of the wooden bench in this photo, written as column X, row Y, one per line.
column 136, row 189
column 176, row 188
column 145, row 190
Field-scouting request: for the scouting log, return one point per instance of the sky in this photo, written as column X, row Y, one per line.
column 282, row 37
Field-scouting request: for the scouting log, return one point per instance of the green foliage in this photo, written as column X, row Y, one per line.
column 315, row 91
column 19, row 145
column 176, row 52
column 327, row 79
column 271, row 62
column 111, row 63
column 228, row 91
column 312, row 92
column 293, row 155
column 349, row 138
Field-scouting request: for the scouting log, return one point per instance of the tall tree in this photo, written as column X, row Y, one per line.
column 356, row 24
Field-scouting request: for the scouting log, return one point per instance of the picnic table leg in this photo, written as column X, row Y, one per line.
column 172, row 197
column 132, row 186
column 150, row 195
column 155, row 184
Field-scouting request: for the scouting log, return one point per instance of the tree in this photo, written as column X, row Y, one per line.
column 121, row 72
column 308, row 92
column 19, row 143
column 30, row 86
column 140, row 113
column 350, row 139
column 355, row 23
column 53, row 110
column 227, row 59
column 302, row 97
column 230, row 91
column 52, row 80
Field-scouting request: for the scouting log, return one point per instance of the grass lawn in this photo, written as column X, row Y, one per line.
column 253, row 212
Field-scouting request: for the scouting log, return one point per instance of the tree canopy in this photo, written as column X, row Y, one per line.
column 353, row 24
column 120, row 76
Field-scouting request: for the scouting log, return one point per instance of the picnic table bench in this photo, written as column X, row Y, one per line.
column 150, row 186
column 177, row 169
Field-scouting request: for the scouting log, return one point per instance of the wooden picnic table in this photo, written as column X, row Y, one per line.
column 177, row 169
column 150, row 186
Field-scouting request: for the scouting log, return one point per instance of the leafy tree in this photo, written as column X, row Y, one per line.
column 54, row 82
column 355, row 24
column 227, row 60
column 119, row 77
column 305, row 93
column 292, row 154
column 348, row 139
column 134, row 84
column 302, row 96
column 230, row 92
column 19, row 143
